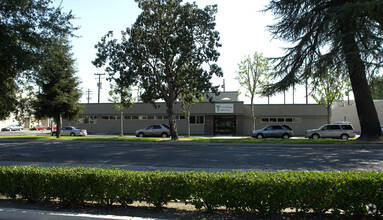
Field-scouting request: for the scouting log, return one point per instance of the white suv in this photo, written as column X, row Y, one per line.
column 342, row 131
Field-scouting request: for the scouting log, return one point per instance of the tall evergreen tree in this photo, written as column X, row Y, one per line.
column 59, row 93
column 347, row 33
column 162, row 50
column 25, row 28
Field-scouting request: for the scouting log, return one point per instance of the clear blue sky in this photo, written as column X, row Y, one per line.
column 241, row 25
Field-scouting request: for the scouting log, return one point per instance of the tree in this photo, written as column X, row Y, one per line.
column 165, row 49
column 59, row 93
column 251, row 73
column 25, row 28
column 329, row 88
column 121, row 97
column 347, row 33
column 377, row 87
column 187, row 101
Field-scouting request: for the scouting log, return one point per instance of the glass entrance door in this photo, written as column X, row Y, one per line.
column 224, row 125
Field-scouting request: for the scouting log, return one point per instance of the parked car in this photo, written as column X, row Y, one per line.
column 71, row 131
column 12, row 128
column 39, row 127
column 162, row 130
column 54, row 127
column 342, row 131
column 274, row 131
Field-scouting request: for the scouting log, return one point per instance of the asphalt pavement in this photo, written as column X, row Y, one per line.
column 179, row 156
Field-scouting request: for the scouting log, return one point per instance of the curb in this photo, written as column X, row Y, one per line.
column 26, row 214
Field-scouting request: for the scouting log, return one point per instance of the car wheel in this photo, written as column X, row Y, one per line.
column 164, row 135
column 259, row 136
column 344, row 137
column 315, row 136
column 141, row 135
column 72, row 134
column 285, row 136
column 53, row 134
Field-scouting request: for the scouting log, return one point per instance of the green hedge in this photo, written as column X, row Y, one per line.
column 348, row 192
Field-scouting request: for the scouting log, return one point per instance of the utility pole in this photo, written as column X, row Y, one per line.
column 223, row 85
column 99, row 84
column 88, row 96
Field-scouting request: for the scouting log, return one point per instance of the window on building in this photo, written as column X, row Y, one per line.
column 90, row 120
column 197, row 119
column 142, row 117
column 151, row 117
column 127, row 117
column 281, row 120
column 134, row 117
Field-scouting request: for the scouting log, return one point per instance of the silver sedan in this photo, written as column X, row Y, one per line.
column 71, row 131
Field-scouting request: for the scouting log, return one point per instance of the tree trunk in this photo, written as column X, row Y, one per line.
column 172, row 121
column 252, row 111
column 58, row 126
column 328, row 114
column 368, row 117
column 188, row 120
column 121, row 124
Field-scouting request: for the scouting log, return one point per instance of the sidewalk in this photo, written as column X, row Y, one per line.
column 25, row 214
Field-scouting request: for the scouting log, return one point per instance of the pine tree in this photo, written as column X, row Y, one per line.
column 348, row 34
column 26, row 27
column 59, row 93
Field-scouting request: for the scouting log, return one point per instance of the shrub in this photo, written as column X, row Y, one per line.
column 351, row 192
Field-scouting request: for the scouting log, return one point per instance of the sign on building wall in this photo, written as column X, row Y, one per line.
column 224, row 108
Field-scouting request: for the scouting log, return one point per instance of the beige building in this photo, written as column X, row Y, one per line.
column 346, row 111
column 225, row 116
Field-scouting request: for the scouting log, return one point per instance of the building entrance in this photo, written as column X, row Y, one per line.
column 224, row 125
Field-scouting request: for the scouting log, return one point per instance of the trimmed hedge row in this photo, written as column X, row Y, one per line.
column 349, row 192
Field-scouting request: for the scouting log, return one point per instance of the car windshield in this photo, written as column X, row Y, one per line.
column 322, row 127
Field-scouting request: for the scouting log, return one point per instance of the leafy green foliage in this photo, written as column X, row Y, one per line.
column 347, row 34
column 164, row 51
column 253, row 75
column 121, row 97
column 329, row 87
column 25, row 28
column 59, row 95
column 377, row 87
column 347, row 192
